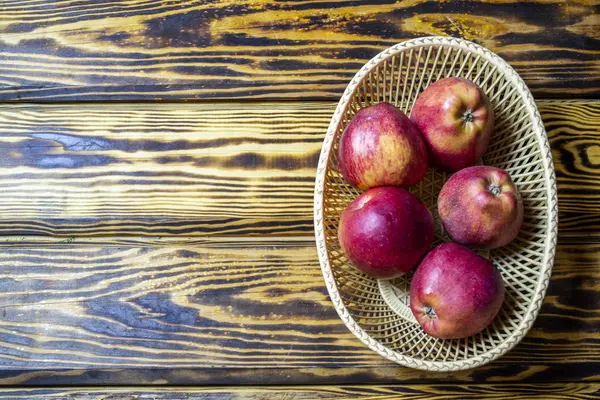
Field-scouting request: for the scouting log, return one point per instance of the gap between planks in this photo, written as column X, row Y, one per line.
column 142, row 241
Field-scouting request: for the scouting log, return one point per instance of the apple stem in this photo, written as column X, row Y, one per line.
column 467, row 116
column 495, row 189
column 430, row 313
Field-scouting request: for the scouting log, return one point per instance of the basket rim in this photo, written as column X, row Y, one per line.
column 552, row 220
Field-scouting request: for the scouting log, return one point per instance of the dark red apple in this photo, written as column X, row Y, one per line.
column 382, row 147
column 456, row 120
column 385, row 231
column 455, row 292
column 481, row 207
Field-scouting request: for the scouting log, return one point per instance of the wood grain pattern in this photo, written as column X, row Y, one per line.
column 250, row 311
column 218, row 168
column 574, row 133
column 227, row 168
column 189, row 49
column 175, row 241
column 557, row 391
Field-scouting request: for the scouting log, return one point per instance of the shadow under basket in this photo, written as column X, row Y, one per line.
column 376, row 311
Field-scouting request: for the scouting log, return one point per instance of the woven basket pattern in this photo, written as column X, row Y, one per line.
column 519, row 145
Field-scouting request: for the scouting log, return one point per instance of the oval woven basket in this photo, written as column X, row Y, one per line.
column 376, row 312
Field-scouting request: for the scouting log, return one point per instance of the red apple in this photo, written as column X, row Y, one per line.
column 481, row 207
column 385, row 231
column 382, row 147
column 455, row 292
column 456, row 120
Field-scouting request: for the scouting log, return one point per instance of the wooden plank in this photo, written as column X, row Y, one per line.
column 574, row 132
column 550, row 391
column 213, row 168
column 226, row 168
column 131, row 50
column 243, row 311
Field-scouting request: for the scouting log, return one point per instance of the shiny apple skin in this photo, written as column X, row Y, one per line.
column 481, row 207
column 456, row 120
column 455, row 293
column 385, row 231
column 382, row 147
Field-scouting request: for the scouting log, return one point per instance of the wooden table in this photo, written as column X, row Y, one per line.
column 157, row 161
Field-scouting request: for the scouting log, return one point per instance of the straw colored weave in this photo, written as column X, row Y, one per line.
column 519, row 145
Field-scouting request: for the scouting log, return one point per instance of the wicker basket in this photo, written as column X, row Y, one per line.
column 376, row 311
